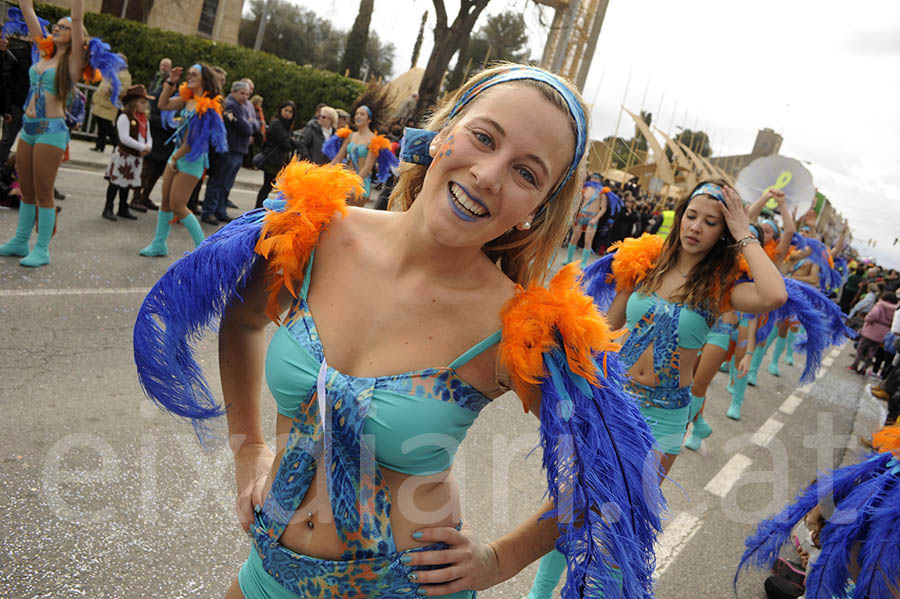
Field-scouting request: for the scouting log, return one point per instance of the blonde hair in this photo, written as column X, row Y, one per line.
column 524, row 256
column 256, row 100
column 331, row 113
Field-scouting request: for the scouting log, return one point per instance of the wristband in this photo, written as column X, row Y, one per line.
column 169, row 82
column 745, row 241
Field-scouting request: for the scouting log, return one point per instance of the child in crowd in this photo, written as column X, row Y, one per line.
column 10, row 194
column 135, row 142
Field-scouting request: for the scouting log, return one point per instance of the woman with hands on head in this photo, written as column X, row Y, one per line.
column 201, row 125
column 359, row 497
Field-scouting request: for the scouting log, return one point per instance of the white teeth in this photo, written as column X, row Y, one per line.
column 466, row 203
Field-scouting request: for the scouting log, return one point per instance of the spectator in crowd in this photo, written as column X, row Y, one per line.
column 165, row 67
column 344, row 118
column 15, row 59
column 278, row 148
column 252, row 117
column 892, row 281
column 105, row 110
column 851, row 288
column 314, row 134
column 155, row 161
column 871, row 291
column 125, row 164
column 239, row 131
column 257, row 102
column 10, row 192
column 877, row 325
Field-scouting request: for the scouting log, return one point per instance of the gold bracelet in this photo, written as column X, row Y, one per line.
column 745, row 241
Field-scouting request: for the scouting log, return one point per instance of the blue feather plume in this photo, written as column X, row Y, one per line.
column 205, row 130
column 596, row 283
column 615, row 203
column 103, row 59
column 798, row 241
column 603, row 478
column 168, row 119
column 332, row 146
column 867, row 505
column 16, row 25
column 188, row 300
column 386, row 163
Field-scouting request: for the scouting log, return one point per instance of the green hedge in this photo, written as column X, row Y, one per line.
column 275, row 79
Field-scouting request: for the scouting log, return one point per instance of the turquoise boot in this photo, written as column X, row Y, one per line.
column 158, row 246
column 776, row 355
column 758, row 355
column 731, row 376
column 40, row 253
column 18, row 245
column 737, row 398
column 585, row 254
column 550, row 570
column 571, row 255
column 701, row 428
column 789, row 348
column 192, row 225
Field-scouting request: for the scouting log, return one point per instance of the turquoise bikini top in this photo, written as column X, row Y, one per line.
column 45, row 83
column 357, row 153
column 416, row 419
column 692, row 325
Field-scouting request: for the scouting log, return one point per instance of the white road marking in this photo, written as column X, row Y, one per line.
column 111, row 291
column 836, row 352
column 766, row 432
column 722, row 482
column 790, row 404
column 805, row 388
column 828, row 361
column 673, row 539
column 822, row 372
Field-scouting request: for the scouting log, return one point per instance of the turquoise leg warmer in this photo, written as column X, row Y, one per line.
column 701, row 429
column 571, row 255
column 731, row 376
column 737, row 398
column 40, row 253
column 789, row 348
column 158, row 246
column 550, row 570
column 779, row 349
column 585, row 254
column 191, row 223
column 18, row 245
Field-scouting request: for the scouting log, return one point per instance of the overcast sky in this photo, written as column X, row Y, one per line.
column 824, row 74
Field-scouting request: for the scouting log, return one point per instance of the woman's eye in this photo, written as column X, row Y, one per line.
column 483, row 138
column 527, row 175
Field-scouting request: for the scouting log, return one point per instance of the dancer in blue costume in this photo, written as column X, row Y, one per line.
column 362, row 295
column 594, row 204
column 668, row 294
column 63, row 58
column 201, row 126
column 852, row 512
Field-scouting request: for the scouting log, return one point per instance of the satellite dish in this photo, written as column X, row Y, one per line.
column 776, row 172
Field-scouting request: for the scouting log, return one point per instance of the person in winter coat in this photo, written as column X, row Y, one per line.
column 877, row 324
column 105, row 112
column 314, row 135
column 279, row 147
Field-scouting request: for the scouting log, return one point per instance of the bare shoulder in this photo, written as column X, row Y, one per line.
column 358, row 227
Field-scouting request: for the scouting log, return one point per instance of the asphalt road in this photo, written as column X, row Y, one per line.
column 107, row 497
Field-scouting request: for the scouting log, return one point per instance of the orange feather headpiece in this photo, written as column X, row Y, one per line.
column 534, row 320
column 314, row 195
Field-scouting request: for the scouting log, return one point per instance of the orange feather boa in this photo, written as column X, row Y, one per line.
column 46, row 46
column 203, row 103
column 634, row 259
column 314, row 194
column 343, row 132
column 887, row 439
column 531, row 320
column 378, row 143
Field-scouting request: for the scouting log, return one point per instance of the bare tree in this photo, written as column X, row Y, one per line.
column 447, row 41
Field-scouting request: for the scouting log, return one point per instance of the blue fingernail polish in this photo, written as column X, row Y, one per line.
column 405, row 558
column 417, row 535
column 413, row 576
column 421, row 591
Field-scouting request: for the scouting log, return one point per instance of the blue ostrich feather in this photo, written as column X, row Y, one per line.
column 615, row 203
column 848, row 488
column 879, row 555
column 205, row 130
column 188, row 300
column 168, row 119
column 799, row 241
column 103, row 59
column 16, row 25
column 603, row 478
column 386, row 163
column 332, row 146
column 597, row 283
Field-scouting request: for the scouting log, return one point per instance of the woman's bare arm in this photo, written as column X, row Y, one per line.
column 76, row 56
column 31, row 19
column 166, row 101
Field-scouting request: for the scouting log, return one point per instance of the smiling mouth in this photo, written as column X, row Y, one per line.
column 466, row 204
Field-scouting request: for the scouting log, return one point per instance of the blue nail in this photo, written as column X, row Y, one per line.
column 405, row 558
column 417, row 535
column 422, row 591
column 413, row 576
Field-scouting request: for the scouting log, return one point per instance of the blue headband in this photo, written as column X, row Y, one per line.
column 197, row 66
column 416, row 141
column 709, row 189
column 776, row 232
column 369, row 110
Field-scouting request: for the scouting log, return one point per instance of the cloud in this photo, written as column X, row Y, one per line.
column 873, row 42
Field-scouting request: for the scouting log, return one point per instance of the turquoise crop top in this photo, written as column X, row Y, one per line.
column 357, row 153
column 692, row 325
column 416, row 419
column 43, row 83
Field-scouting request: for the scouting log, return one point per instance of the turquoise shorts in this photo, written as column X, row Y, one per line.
column 668, row 426
column 193, row 168
column 722, row 340
column 51, row 132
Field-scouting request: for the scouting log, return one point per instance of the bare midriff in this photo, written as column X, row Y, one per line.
column 417, row 502
column 644, row 373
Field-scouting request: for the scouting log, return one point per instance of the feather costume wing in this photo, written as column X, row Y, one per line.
column 207, row 129
column 385, row 161
column 108, row 64
column 193, row 294
column 602, row 474
column 332, row 145
column 626, row 265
